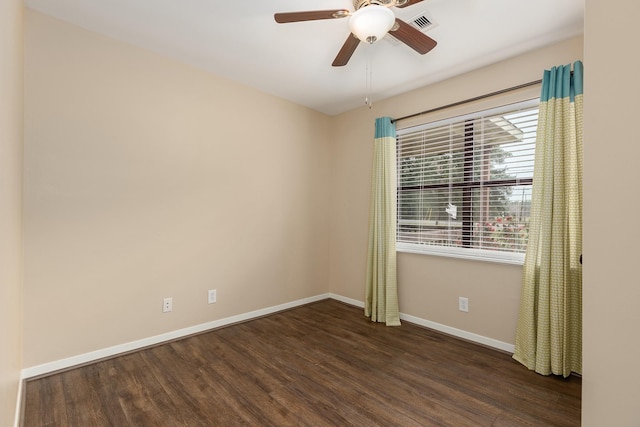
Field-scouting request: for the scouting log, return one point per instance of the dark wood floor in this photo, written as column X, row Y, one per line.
column 322, row 364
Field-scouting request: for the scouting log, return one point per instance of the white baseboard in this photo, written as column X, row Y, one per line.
column 469, row 336
column 346, row 300
column 81, row 359
column 135, row 345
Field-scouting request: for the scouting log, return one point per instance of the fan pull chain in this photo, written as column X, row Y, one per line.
column 368, row 100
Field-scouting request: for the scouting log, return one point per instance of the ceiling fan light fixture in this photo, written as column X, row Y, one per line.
column 371, row 23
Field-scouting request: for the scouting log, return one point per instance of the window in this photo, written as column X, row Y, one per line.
column 464, row 184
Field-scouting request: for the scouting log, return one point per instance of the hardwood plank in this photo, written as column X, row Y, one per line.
column 47, row 399
column 315, row 365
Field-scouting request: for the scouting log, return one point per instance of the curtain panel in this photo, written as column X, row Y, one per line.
column 381, row 297
column 549, row 332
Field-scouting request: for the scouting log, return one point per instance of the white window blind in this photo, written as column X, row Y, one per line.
column 464, row 184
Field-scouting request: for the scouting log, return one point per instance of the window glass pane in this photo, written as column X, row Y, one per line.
column 501, row 222
column 423, row 217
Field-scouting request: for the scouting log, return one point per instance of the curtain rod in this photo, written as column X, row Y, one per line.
column 477, row 98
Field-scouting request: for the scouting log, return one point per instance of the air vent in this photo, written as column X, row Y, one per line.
column 422, row 22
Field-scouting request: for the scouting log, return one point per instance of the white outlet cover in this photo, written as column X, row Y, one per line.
column 463, row 304
column 212, row 297
column 167, row 305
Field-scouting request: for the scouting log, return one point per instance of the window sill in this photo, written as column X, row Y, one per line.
column 463, row 253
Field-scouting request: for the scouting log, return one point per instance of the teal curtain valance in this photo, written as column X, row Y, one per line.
column 562, row 82
column 385, row 128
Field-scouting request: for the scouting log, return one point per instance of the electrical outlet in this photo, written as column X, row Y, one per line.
column 212, row 297
column 167, row 305
column 463, row 304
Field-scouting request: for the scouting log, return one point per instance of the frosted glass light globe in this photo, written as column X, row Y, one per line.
column 371, row 23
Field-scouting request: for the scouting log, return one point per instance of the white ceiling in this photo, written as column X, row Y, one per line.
column 241, row 41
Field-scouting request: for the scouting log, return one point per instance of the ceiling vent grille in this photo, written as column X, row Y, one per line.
column 422, row 22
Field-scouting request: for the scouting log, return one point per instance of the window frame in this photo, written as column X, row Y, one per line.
column 468, row 252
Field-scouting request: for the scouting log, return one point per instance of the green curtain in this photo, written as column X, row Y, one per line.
column 381, row 299
column 549, row 333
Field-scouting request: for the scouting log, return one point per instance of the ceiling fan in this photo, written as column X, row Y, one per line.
column 371, row 20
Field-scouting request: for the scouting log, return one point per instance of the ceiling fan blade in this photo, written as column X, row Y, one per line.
column 283, row 18
column 408, row 3
column 413, row 38
column 346, row 51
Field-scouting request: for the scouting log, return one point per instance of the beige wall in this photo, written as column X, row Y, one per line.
column 429, row 286
column 144, row 179
column 611, row 378
column 10, row 205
